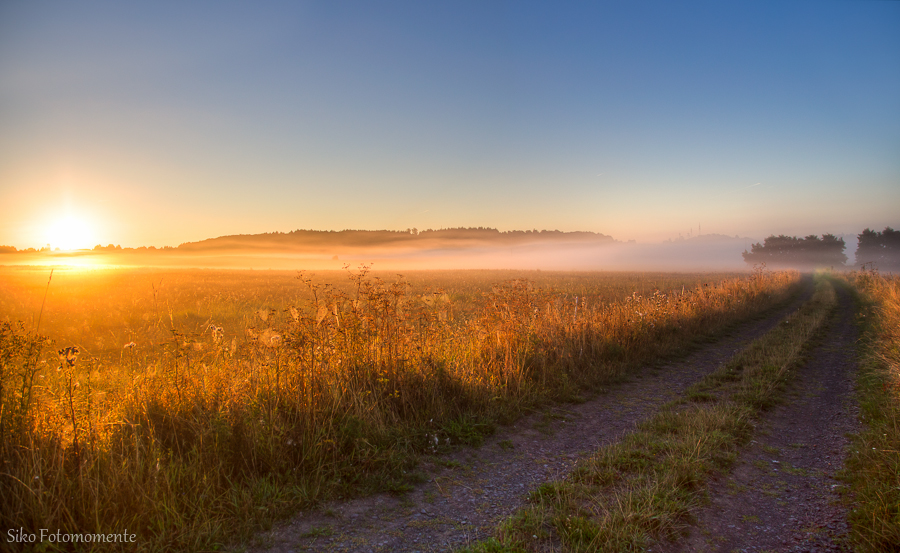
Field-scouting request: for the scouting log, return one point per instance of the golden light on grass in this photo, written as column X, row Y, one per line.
column 239, row 385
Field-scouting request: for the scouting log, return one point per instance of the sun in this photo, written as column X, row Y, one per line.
column 70, row 233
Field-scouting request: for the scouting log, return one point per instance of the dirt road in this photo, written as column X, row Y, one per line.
column 782, row 494
column 470, row 491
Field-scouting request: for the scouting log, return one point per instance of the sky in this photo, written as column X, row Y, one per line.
column 158, row 123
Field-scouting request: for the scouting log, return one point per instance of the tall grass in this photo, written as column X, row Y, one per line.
column 199, row 437
column 642, row 488
column 873, row 469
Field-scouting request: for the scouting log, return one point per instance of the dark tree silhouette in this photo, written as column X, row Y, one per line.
column 800, row 253
column 880, row 248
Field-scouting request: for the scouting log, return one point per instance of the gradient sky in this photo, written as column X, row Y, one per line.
column 157, row 123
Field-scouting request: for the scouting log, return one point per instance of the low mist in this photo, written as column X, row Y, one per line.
column 703, row 253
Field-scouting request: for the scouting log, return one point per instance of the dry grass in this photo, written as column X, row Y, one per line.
column 873, row 469
column 642, row 489
column 240, row 399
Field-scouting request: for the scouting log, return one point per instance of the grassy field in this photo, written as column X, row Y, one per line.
column 642, row 489
column 193, row 407
column 873, row 470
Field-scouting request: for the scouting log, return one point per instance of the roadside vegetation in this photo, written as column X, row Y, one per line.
column 193, row 413
column 643, row 488
column 873, row 469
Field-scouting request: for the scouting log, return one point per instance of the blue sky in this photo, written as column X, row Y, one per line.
column 156, row 124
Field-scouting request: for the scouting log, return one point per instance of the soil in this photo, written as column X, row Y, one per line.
column 782, row 494
column 470, row 491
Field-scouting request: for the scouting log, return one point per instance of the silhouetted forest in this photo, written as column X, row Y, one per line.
column 451, row 237
column 329, row 240
column 799, row 253
column 529, row 248
column 882, row 249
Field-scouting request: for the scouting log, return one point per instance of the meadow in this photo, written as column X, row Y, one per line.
column 193, row 407
column 648, row 487
column 873, row 467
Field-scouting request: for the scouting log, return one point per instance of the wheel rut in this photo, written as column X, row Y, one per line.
column 471, row 490
column 782, row 494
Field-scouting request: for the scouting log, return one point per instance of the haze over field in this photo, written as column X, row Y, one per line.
column 467, row 214
column 441, row 249
column 163, row 124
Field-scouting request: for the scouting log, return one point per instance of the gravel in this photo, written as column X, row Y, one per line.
column 471, row 490
column 782, row 494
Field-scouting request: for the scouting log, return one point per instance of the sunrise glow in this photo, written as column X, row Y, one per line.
column 70, row 232
column 262, row 263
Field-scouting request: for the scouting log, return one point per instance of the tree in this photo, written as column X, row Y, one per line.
column 800, row 253
column 880, row 248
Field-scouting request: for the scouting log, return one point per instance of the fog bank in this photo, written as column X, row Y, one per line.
column 703, row 253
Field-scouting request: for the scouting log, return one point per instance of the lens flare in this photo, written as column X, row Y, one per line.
column 70, row 233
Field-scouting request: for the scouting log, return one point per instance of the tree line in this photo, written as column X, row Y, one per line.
column 880, row 249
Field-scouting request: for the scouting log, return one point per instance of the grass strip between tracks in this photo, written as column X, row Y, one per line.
column 644, row 487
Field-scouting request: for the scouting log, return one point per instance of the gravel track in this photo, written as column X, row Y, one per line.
column 782, row 494
column 471, row 490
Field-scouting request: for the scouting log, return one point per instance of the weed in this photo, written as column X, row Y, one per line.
column 204, row 405
column 874, row 463
column 700, row 397
column 644, row 487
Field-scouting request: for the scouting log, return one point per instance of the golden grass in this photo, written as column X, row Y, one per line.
column 873, row 469
column 642, row 489
column 238, row 398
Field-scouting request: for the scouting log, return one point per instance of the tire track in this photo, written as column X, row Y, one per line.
column 782, row 494
column 471, row 490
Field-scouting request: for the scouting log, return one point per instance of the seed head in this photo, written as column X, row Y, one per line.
column 69, row 355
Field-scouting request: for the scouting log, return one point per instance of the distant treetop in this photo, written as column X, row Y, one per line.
column 363, row 238
column 799, row 253
column 879, row 248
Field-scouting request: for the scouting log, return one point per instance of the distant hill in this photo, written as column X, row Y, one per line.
column 322, row 241
column 454, row 248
